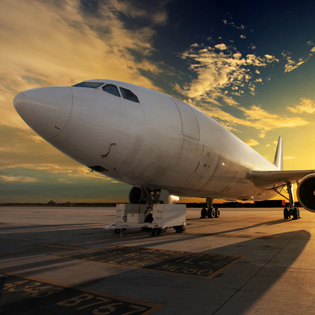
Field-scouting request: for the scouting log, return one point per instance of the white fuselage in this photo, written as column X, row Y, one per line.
column 158, row 142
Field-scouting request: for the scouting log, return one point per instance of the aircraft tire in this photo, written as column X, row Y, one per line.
column 286, row 213
column 204, row 213
column 211, row 213
column 217, row 213
column 296, row 213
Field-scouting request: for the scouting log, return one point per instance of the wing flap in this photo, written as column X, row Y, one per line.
column 270, row 179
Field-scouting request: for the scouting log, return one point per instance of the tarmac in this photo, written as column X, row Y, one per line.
column 248, row 261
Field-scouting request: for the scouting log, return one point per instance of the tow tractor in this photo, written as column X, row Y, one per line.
column 152, row 217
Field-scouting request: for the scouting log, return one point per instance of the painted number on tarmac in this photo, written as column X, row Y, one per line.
column 30, row 297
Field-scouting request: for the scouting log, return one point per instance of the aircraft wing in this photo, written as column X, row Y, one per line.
column 270, row 179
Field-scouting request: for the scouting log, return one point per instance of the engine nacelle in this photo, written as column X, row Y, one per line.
column 306, row 192
column 172, row 199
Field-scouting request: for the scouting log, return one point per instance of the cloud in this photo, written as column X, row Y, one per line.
column 271, row 58
column 227, row 72
column 229, row 21
column 291, row 64
column 218, row 70
column 251, row 142
column 220, row 46
column 306, row 105
column 12, row 179
column 157, row 15
column 266, row 121
column 254, row 117
column 287, row 157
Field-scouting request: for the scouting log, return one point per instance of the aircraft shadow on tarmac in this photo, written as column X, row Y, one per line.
column 240, row 284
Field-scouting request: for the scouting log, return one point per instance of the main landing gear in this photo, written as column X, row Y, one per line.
column 291, row 210
column 294, row 212
column 210, row 211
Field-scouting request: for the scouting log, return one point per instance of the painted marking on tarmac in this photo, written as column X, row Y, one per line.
column 178, row 262
column 24, row 251
column 29, row 296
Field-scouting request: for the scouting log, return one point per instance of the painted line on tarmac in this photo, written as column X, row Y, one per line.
column 33, row 296
column 177, row 262
column 24, row 251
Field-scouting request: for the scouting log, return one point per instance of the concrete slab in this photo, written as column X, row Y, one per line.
column 273, row 271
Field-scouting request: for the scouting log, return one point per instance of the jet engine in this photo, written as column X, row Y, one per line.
column 306, row 192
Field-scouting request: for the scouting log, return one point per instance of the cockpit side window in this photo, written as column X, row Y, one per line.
column 128, row 95
column 92, row 85
column 112, row 89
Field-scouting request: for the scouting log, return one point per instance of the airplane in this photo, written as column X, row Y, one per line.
column 161, row 146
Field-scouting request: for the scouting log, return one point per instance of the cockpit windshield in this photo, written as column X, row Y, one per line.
column 92, row 85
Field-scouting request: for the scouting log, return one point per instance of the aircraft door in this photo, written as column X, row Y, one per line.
column 190, row 125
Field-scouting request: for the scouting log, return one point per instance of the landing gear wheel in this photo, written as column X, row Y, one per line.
column 204, row 213
column 217, row 212
column 286, row 213
column 296, row 213
column 211, row 213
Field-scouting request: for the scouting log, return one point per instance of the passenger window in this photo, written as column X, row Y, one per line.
column 112, row 89
column 128, row 95
column 92, row 85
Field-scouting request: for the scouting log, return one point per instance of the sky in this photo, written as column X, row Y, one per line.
column 249, row 65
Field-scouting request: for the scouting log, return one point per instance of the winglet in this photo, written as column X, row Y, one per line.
column 278, row 161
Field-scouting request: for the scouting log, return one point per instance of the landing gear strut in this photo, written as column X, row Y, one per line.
column 291, row 210
column 210, row 211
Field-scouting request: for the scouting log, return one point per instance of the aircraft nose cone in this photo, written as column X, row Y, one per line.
column 45, row 110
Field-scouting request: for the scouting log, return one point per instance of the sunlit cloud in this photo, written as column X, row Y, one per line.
column 217, row 70
column 287, row 157
column 220, row 46
column 254, row 117
column 265, row 121
column 291, row 64
column 306, row 105
column 251, row 142
column 68, row 171
column 20, row 179
column 223, row 72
